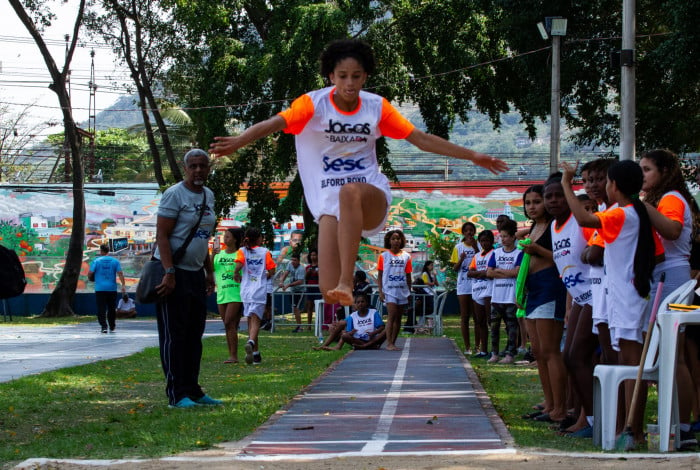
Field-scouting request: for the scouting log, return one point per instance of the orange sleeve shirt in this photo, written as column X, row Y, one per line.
column 612, row 222
column 672, row 207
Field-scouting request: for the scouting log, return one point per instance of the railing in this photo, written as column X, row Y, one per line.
column 424, row 311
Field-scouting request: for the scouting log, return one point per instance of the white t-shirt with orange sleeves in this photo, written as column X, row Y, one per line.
column 481, row 288
column 336, row 147
column 620, row 231
column 568, row 242
column 677, row 252
column 395, row 269
column 256, row 261
column 596, row 275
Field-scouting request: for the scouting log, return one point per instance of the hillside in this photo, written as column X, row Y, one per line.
column 528, row 159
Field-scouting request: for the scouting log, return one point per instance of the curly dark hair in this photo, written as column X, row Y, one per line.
column 342, row 49
column 387, row 238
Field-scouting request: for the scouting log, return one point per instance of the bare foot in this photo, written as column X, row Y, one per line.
column 342, row 295
column 330, row 297
column 231, row 361
column 393, row 348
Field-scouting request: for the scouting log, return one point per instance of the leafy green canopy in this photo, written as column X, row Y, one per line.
column 248, row 59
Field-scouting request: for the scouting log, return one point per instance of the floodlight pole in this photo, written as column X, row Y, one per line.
column 627, row 85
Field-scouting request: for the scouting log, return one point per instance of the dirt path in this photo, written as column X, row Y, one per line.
column 217, row 460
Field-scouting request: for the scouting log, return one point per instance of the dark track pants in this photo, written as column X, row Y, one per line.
column 181, row 321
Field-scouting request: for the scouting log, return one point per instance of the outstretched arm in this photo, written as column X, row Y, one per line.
column 582, row 216
column 227, row 145
column 432, row 143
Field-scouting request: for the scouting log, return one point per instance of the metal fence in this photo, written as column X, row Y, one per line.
column 423, row 314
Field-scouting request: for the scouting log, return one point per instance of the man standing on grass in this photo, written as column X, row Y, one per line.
column 186, row 221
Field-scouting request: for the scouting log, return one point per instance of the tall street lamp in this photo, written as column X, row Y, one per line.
column 554, row 26
column 627, row 85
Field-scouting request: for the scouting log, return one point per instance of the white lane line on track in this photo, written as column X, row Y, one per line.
column 381, row 435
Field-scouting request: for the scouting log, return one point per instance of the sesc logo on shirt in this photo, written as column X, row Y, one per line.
column 340, row 164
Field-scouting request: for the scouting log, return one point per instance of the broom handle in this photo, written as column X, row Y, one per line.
column 645, row 349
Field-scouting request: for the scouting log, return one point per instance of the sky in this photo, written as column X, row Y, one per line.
column 24, row 78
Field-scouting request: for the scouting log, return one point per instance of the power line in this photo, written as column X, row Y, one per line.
column 52, row 42
column 412, row 79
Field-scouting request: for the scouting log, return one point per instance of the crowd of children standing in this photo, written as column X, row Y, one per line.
column 593, row 264
column 595, row 261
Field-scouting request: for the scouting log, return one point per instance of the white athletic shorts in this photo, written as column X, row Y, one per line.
column 252, row 308
column 465, row 287
column 390, row 299
column 331, row 206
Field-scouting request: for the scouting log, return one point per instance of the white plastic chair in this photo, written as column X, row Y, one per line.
column 318, row 323
column 607, row 378
column 318, row 330
column 670, row 322
column 436, row 316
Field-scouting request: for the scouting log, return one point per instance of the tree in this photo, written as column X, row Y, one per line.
column 255, row 57
column 667, row 61
column 121, row 156
column 141, row 34
column 16, row 137
column 34, row 16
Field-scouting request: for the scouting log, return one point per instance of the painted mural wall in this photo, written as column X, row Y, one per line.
column 37, row 221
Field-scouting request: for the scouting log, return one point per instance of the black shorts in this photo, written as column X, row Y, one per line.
column 312, row 294
column 297, row 299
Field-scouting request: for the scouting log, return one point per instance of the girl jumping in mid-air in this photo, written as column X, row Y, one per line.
column 336, row 130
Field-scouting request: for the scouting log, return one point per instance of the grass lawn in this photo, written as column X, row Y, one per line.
column 117, row 408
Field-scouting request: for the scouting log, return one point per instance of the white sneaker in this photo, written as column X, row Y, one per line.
column 249, row 351
column 493, row 359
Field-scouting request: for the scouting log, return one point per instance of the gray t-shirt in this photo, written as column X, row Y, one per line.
column 296, row 274
column 180, row 203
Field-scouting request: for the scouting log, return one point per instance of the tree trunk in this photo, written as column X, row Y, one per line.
column 59, row 303
column 61, row 298
column 150, row 137
column 139, row 78
column 146, row 92
column 164, row 137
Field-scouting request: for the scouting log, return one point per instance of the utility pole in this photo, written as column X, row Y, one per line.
column 92, row 111
column 554, row 138
column 554, row 26
column 627, row 85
